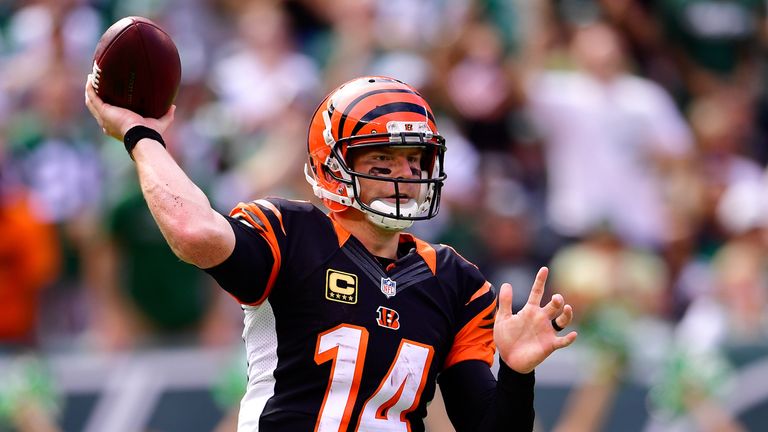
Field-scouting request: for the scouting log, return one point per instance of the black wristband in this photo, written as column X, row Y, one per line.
column 136, row 134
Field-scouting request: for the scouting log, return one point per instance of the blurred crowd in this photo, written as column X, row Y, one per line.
column 621, row 142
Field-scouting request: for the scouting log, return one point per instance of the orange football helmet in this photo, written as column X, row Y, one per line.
column 367, row 112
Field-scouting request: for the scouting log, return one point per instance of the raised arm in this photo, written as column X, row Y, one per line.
column 196, row 233
column 474, row 399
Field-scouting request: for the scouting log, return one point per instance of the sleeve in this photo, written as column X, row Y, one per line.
column 475, row 401
column 476, row 314
column 249, row 273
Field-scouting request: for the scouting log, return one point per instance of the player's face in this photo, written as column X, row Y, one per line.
column 388, row 162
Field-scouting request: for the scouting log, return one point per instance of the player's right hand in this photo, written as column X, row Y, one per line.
column 116, row 121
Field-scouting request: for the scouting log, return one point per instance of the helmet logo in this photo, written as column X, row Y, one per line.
column 395, row 127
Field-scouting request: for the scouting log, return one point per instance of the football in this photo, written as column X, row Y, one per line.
column 136, row 66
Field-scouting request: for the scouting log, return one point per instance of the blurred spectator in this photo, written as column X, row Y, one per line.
column 352, row 42
column 262, row 87
column 602, row 272
column 29, row 400
column 690, row 392
column 142, row 294
column 260, row 73
column 392, row 38
column 55, row 155
column 735, row 311
column 507, row 252
column 29, row 262
column 41, row 30
column 479, row 87
column 639, row 26
column 723, row 322
column 619, row 292
column 716, row 41
column 272, row 164
column 149, row 296
column 609, row 137
column 721, row 122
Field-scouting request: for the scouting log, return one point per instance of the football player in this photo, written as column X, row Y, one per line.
column 350, row 323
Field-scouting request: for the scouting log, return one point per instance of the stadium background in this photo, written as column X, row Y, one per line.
column 621, row 142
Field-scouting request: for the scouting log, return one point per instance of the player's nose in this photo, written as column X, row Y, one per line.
column 403, row 168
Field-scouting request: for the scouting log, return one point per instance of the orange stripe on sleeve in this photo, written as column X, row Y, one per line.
column 274, row 209
column 266, row 230
column 475, row 340
column 484, row 289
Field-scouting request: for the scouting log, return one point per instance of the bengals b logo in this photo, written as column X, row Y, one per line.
column 388, row 318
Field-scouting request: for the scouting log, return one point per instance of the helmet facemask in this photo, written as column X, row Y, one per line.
column 363, row 114
column 390, row 215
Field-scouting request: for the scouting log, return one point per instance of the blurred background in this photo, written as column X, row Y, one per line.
column 621, row 142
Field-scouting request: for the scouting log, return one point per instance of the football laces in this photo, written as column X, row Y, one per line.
column 96, row 75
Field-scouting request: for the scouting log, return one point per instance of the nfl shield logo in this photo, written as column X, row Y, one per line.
column 388, row 287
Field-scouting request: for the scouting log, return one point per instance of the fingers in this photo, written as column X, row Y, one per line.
column 90, row 92
column 114, row 121
column 554, row 308
column 92, row 100
column 564, row 319
column 167, row 118
column 505, row 301
column 565, row 341
column 537, row 291
column 86, row 92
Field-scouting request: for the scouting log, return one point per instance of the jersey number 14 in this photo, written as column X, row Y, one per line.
column 397, row 394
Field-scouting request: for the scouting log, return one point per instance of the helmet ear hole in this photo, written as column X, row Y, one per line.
column 327, row 174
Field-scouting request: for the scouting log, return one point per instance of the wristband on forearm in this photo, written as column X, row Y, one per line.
column 136, row 134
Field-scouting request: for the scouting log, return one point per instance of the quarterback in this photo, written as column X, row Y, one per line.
column 351, row 323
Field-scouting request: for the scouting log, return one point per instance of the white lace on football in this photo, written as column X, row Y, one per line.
column 96, row 76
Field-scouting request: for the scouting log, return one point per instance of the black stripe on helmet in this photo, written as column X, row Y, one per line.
column 360, row 98
column 388, row 109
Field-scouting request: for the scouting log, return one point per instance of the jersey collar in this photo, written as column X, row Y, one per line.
column 424, row 249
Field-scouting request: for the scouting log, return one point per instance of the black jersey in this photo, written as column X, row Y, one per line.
column 337, row 340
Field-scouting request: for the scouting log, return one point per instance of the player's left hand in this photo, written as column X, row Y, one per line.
column 528, row 337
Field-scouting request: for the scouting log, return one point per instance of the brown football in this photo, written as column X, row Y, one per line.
column 136, row 66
